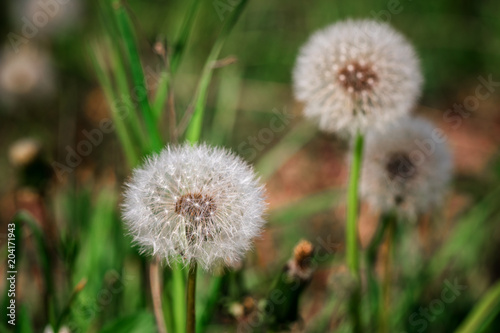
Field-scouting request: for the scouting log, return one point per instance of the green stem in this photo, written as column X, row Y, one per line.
column 191, row 298
column 352, row 209
column 352, row 232
column 178, row 297
column 483, row 312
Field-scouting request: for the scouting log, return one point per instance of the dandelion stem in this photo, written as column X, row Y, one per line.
column 352, row 209
column 179, row 297
column 191, row 292
column 154, row 278
column 352, row 231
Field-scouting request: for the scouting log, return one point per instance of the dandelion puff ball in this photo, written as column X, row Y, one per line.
column 194, row 203
column 406, row 169
column 355, row 75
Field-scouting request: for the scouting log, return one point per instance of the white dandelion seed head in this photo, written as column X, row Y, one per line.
column 355, row 75
column 194, row 203
column 407, row 168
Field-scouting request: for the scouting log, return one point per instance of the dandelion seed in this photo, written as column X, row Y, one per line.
column 376, row 76
column 196, row 203
column 405, row 168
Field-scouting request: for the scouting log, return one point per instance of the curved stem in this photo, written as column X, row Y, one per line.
column 191, row 298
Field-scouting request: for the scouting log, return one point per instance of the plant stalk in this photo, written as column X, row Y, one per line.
column 191, row 299
column 154, row 279
column 352, row 209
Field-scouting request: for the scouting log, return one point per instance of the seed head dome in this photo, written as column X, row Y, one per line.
column 407, row 168
column 194, row 203
column 355, row 75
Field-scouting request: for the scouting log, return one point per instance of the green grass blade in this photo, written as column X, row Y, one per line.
column 194, row 130
column 487, row 308
column 161, row 94
column 162, row 90
column 227, row 104
column 304, row 208
column 123, row 135
column 130, row 116
column 185, row 31
column 291, row 143
column 126, row 30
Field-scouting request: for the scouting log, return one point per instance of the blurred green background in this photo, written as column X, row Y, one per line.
column 305, row 172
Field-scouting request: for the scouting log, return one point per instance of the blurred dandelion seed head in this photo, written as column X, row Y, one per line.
column 405, row 168
column 28, row 72
column 355, row 75
column 194, row 203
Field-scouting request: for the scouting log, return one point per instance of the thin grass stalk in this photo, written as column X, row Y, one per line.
column 121, row 83
column 227, row 105
column 67, row 308
column 131, row 117
column 161, row 94
column 298, row 136
column 482, row 314
column 191, row 298
column 185, row 31
column 123, row 134
column 194, row 129
column 126, row 30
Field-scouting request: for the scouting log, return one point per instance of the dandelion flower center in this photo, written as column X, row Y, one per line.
column 400, row 166
column 356, row 78
column 198, row 209
column 195, row 206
